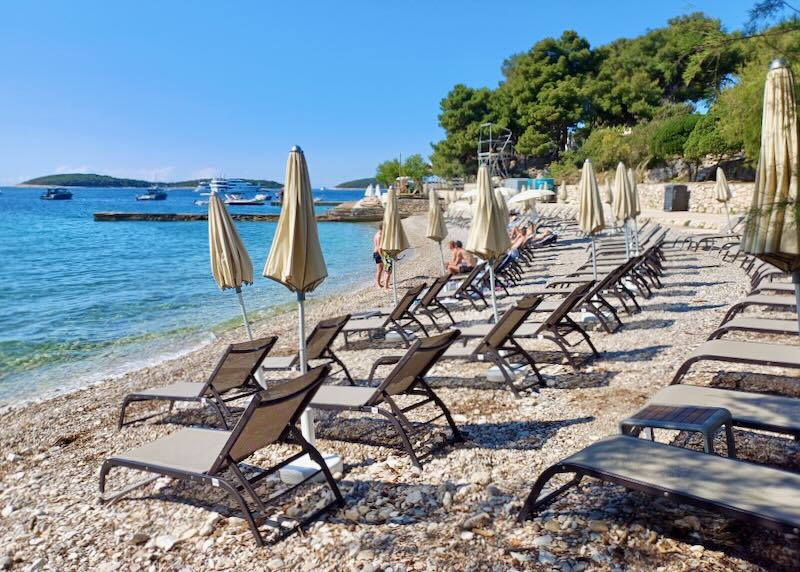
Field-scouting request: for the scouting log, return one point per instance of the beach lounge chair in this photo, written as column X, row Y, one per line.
column 554, row 327
column 232, row 378
column 756, row 325
column 215, row 457
column 782, row 302
column 734, row 351
column 470, row 288
column 499, row 347
column 431, row 306
column 761, row 411
column 319, row 345
column 400, row 318
column 407, row 378
column 756, row 494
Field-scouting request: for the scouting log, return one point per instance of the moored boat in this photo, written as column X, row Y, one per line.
column 152, row 194
column 56, row 194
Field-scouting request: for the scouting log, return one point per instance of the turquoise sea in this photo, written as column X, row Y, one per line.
column 83, row 300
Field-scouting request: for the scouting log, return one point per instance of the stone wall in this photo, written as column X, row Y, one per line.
column 701, row 196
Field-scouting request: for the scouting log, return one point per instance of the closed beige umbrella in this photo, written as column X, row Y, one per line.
column 590, row 209
column 488, row 237
column 230, row 263
column 295, row 258
column 437, row 229
column 622, row 207
column 393, row 239
column 502, row 211
column 637, row 209
column 722, row 192
column 563, row 195
column 771, row 233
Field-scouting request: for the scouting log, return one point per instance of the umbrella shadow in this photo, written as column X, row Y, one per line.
column 638, row 354
column 684, row 307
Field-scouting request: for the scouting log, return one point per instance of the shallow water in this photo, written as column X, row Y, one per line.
column 82, row 300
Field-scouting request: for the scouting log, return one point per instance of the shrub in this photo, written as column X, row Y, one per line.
column 705, row 139
column 671, row 136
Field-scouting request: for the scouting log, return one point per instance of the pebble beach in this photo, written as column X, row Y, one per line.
column 460, row 511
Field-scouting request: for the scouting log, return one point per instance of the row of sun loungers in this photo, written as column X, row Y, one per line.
column 758, row 494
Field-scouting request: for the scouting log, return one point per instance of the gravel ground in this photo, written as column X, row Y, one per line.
column 458, row 513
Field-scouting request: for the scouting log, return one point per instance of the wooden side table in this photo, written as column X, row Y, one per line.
column 705, row 420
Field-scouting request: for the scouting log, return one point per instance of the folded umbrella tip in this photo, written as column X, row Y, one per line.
column 777, row 63
column 296, row 149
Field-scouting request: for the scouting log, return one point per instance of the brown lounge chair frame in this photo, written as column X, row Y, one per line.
column 318, row 346
column 641, row 450
column 400, row 318
column 735, row 351
column 243, row 358
column 499, row 346
column 786, row 302
column 430, row 305
column 263, row 416
column 756, row 325
column 468, row 287
column 407, row 378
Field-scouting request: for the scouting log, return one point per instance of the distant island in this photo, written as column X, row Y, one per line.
column 357, row 184
column 92, row 180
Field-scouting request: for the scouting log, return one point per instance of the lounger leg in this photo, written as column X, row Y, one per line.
column 533, row 502
column 403, row 435
column 685, row 366
column 457, row 436
column 729, row 440
column 336, row 359
column 121, row 420
column 708, row 442
column 248, row 515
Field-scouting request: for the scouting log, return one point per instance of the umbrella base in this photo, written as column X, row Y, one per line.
column 396, row 337
column 302, row 468
column 494, row 375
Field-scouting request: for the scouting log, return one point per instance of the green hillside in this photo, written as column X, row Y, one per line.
column 357, row 183
column 92, row 180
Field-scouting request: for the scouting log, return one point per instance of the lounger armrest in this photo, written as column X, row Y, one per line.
column 383, row 360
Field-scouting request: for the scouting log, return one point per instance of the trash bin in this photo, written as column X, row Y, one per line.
column 676, row 198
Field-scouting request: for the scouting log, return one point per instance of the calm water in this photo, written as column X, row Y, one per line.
column 81, row 300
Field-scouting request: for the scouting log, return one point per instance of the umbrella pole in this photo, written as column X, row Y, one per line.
column 441, row 253
column 796, row 280
column 728, row 216
column 394, row 279
column 493, row 293
column 635, row 233
column 244, row 313
column 627, row 243
column 594, row 259
column 307, row 418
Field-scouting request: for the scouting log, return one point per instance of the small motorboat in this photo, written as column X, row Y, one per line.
column 234, row 199
column 152, row 194
column 56, row 194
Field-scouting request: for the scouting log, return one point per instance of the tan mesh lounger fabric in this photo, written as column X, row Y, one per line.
column 278, row 362
column 734, row 350
column 342, row 395
column 190, row 449
column 760, row 325
column 746, row 490
column 179, row 390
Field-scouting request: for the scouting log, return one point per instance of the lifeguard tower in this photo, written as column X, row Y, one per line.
column 495, row 149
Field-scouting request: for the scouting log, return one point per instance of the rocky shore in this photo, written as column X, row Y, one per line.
column 457, row 513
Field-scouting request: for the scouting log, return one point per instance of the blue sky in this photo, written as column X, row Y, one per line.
column 180, row 89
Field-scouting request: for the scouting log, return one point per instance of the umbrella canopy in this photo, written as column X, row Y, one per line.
column 437, row 229
column 295, row 259
column 530, row 194
column 722, row 192
column 637, row 207
column 394, row 239
column 622, row 205
column 487, row 238
column 771, row 232
column 502, row 211
column 230, row 263
column 590, row 209
column 563, row 195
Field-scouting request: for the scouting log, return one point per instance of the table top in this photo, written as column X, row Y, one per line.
column 679, row 417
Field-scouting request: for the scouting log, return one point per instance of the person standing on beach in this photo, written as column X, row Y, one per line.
column 377, row 256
